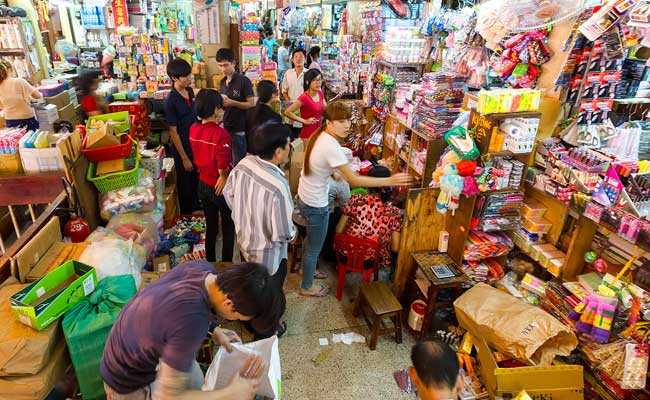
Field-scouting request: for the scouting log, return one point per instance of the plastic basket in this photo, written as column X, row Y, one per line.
column 114, row 181
column 122, row 150
column 122, row 118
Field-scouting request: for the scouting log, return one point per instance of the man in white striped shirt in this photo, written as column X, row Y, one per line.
column 258, row 194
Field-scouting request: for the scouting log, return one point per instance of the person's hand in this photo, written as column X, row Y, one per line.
column 402, row 179
column 223, row 337
column 311, row 121
column 187, row 164
column 227, row 101
column 241, row 388
column 254, row 367
column 221, row 183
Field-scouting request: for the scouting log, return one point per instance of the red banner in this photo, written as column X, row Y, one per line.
column 120, row 13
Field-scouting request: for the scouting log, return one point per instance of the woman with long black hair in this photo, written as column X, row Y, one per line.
column 312, row 58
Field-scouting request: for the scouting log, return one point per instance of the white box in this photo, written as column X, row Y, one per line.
column 47, row 115
column 73, row 96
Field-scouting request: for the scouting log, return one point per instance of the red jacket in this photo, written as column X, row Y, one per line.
column 212, row 152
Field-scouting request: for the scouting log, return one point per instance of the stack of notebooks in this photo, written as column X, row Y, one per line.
column 481, row 245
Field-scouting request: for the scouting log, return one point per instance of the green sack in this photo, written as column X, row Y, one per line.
column 86, row 327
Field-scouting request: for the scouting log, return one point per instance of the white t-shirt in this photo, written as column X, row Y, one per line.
column 326, row 156
column 294, row 84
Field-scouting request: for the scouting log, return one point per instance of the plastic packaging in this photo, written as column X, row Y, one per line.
column 112, row 257
column 141, row 197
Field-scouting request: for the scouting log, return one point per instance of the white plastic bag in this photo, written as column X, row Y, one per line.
column 225, row 365
column 111, row 257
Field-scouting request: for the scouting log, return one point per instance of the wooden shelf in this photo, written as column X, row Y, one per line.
column 523, row 114
column 501, row 191
column 17, row 52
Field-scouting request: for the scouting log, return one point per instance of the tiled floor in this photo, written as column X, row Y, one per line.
column 349, row 371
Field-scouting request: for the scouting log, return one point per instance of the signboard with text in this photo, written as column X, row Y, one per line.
column 120, row 13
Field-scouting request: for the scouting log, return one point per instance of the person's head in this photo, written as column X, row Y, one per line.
column 269, row 33
column 208, row 104
column 265, row 91
column 180, row 72
column 226, row 61
column 312, row 80
column 383, row 192
column 336, row 121
column 271, row 142
column 435, row 370
column 5, row 70
column 287, row 43
column 314, row 55
column 88, row 82
column 245, row 292
column 298, row 58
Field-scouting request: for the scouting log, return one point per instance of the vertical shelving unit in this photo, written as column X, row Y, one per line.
column 19, row 46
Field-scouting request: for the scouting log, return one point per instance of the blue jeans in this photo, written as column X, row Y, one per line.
column 317, row 219
column 238, row 140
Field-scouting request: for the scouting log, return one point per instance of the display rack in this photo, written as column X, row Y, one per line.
column 21, row 48
column 422, row 155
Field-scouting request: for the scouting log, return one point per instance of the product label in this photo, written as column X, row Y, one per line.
column 89, row 285
column 25, row 320
column 40, row 292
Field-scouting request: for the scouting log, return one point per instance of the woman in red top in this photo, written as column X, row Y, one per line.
column 311, row 105
column 90, row 103
column 213, row 159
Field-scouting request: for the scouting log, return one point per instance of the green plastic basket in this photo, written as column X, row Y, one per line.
column 121, row 117
column 116, row 180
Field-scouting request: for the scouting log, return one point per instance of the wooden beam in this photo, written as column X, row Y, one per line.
column 30, row 189
column 580, row 244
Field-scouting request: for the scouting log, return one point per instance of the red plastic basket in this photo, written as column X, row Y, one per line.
column 122, row 150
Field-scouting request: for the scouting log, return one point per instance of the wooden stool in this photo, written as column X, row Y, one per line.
column 376, row 297
column 295, row 249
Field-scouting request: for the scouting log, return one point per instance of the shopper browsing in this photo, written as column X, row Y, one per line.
column 151, row 349
column 15, row 99
column 311, row 105
column 293, row 85
column 90, row 102
column 283, row 59
column 213, row 159
column 262, row 112
column 258, row 193
column 323, row 157
column 270, row 42
column 435, row 371
column 238, row 97
column 312, row 58
column 371, row 216
column 180, row 115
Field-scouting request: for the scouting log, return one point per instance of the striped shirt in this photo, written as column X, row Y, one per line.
column 258, row 194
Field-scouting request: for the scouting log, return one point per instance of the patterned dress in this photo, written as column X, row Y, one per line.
column 370, row 218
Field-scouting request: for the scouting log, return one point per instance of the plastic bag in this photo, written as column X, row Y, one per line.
column 138, row 227
column 86, row 327
column 225, row 365
column 111, row 257
column 141, row 197
column 462, row 144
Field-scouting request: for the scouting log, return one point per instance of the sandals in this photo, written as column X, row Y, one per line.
column 317, row 275
column 322, row 292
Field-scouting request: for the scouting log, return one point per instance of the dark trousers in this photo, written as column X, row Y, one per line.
column 295, row 132
column 277, row 280
column 328, row 247
column 213, row 207
column 187, row 184
column 30, row 123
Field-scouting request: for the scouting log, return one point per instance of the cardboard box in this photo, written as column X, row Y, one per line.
column 37, row 386
column 47, row 115
column 295, row 165
column 162, row 264
column 43, row 301
column 102, row 137
column 557, row 382
column 60, row 100
column 10, row 163
column 37, row 161
column 23, row 350
column 108, row 167
column 148, row 277
column 171, row 205
column 68, row 113
column 30, row 255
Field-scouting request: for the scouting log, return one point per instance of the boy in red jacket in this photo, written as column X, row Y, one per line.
column 213, row 159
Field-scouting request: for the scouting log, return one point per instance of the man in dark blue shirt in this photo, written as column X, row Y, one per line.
column 151, row 349
column 180, row 115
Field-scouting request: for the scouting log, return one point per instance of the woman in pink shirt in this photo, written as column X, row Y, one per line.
column 311, row 105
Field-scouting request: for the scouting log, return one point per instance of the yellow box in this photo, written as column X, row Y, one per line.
column 557, row 382
column 10, row 163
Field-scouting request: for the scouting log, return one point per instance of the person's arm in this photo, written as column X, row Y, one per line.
column 285, row 86
column 36, row 94
column 178, row 145
column 281, row 219
column 229, row 190
column 243, row 105
column 394, row 241
column 340, row 227
column 356, row 180
column 224, row 159
column 290, row 113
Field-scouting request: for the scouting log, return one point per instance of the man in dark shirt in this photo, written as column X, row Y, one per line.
column 180, row 115
column 151, row 349
column 238, row 92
